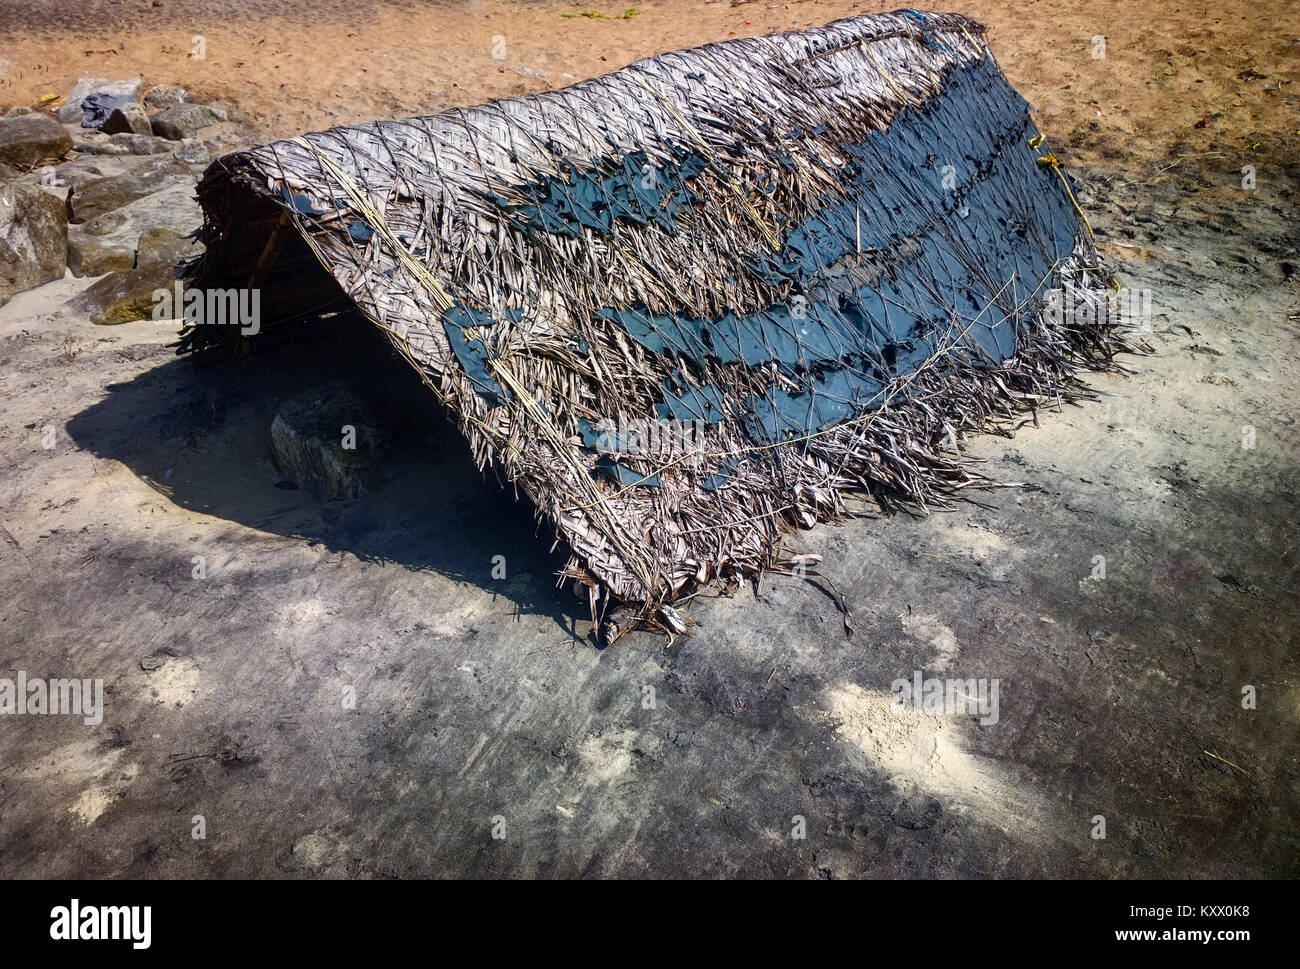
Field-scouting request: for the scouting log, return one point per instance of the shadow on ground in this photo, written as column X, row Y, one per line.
column 201, row 436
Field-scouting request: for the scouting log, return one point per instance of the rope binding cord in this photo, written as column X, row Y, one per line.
column 1052, row 161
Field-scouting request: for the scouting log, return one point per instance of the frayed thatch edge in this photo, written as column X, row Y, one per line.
column 905, row 457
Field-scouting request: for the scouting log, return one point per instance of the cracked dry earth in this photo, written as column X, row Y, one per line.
column 480, row 699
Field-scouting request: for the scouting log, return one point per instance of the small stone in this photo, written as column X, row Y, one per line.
column 192, row 151
column 33, row 239
column 128, row 118
column 17, row 111
column 309, row 437
column 184, row 120
column 165, row 95
column 30, row 138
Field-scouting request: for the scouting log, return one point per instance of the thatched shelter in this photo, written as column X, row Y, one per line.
column 698, row 302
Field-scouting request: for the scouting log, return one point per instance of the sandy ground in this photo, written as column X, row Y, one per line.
column 295, row 65
column 481, row 699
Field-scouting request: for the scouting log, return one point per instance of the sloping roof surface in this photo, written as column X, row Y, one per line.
column 693, row 303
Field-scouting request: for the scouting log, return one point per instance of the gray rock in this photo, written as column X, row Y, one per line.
column 96, row 197
column 128, row 118
column 33, row 239
column 192, row 151
column 166, row 245
column 47, row 180
column 165, row 95
column 124, row 143
column 184, row 120
column 149, row 164
column 93, row 255
column 86, row 86
column 29, row 138
column 72, row 174
column 147, row 231
column 307, row 438
column 226, row 136
column 107, row 224
column 124, row 296
column 173, row 208
column 89, row 142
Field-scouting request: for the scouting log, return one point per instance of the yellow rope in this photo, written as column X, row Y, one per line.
column 1054, row 163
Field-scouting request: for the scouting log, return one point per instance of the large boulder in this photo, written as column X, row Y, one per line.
column 96, row 197
column 192, row 151
column 129, row 118
column 29, row 138
column 225, row 137
column 184, row 120
column 310, row 437
column 173, row 208
column 166, row 245
column 124, row 296
column 102, row 245
column 92, row 255
column 71, row 175
column 72, row 109
column 154, row 229
column 33, row 239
